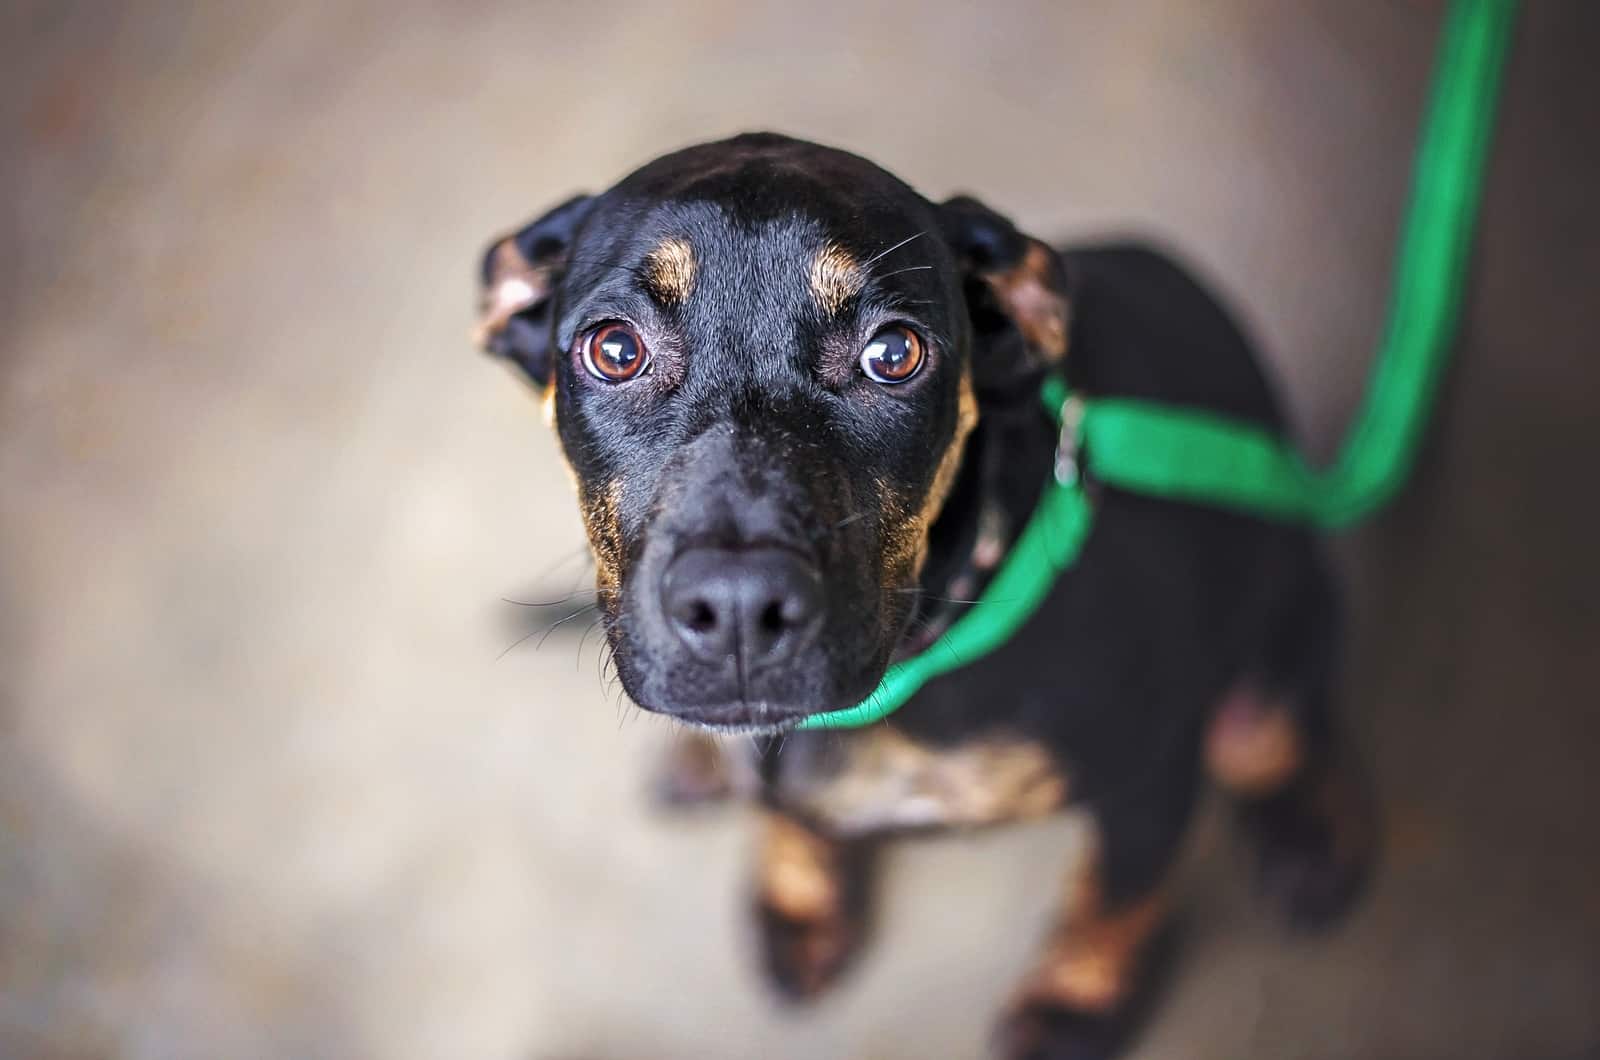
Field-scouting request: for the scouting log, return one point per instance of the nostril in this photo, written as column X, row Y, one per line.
column 701, row 617
column 755, row 603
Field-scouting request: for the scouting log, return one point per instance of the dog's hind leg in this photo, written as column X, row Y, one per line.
column 1273, row 746
column 811, row 904
column 1090, row 987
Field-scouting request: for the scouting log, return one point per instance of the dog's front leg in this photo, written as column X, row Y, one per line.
column 697, row 770
column 834, row 797
column 1098, row 967
column 811, row 902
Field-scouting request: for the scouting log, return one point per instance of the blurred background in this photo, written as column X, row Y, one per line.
column 268, row 787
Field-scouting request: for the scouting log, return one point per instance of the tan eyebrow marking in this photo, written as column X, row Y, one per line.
column 836, row 277
column 669, row 271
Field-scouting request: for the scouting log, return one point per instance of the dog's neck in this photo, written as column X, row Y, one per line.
column 1007, row 462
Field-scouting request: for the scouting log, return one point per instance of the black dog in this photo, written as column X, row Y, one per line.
column 801, row 405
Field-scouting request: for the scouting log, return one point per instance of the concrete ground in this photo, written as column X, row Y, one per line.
column 267, row 788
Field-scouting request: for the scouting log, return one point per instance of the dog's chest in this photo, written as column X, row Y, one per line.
column 878, row 779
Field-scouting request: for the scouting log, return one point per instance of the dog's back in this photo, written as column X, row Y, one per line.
column 1144, row 327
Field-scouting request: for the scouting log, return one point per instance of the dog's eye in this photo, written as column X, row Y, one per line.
column 614, row 353
column 894, row 355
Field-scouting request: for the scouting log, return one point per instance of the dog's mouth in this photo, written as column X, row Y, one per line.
column 742, row 719
column 733, row 700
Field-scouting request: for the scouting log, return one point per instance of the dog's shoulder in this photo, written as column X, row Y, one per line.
column 1144, row 326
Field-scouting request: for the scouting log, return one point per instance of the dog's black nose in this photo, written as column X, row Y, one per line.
column 754, row 604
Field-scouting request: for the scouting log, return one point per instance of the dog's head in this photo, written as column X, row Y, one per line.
column 764, row 359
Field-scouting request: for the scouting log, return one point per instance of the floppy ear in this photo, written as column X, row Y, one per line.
column 519, row 276
column 1017, row 295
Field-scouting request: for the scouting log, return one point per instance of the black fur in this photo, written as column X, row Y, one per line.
column 756, row 428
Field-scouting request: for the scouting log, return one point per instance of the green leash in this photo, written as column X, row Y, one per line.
column 1207, row 459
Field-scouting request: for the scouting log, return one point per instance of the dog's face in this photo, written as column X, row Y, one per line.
column 764, row 359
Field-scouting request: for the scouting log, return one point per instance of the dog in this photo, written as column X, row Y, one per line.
column 801, row 407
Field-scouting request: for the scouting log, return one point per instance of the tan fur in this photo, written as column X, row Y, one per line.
column 798, row 877
column 1253, row 748
column 669, row 271
column 599, row 509
column 902, row 545
column 944, row 476
column 888, row 781
column 514, row 284
column 836, row 277
column 547, row 407
column 1090, row 964
column 905, row 532
column 1027, row 292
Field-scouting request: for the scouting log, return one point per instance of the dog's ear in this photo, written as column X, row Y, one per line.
column 519, row 277
column 1017, row 295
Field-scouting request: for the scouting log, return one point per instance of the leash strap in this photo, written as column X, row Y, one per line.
column 1202, row 458
column 1193, row 456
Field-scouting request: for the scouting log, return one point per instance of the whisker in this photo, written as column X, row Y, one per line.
column 908, row 268
column 847, row 520
column 583, row 640
column 549, row 603
column 514, row 643
column 581, row 551
column 885, row 253
column 560, row 622
column 546, row 630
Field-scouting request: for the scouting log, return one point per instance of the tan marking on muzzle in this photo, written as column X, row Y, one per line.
column 836, row 277
column 902, row 545
column 669, row 271
column 600, row 518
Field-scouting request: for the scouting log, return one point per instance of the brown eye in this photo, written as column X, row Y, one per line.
column 614, row 353
column 894, row 355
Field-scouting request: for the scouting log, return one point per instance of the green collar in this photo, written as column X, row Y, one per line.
column 1198, row 457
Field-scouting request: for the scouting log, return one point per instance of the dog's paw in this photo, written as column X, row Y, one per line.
column 1041, row 1031
column 1307, row 880
column 804, row 957
column 811, row 901
column 1314, row 863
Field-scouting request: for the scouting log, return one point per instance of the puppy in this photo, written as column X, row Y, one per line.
column 801, row 406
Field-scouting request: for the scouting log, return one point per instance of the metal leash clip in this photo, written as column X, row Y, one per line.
column 1068, row 442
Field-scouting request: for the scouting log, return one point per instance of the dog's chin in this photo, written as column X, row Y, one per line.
column 739, row 718
column 757, row 716
column 772, row 706
column 744, row 719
